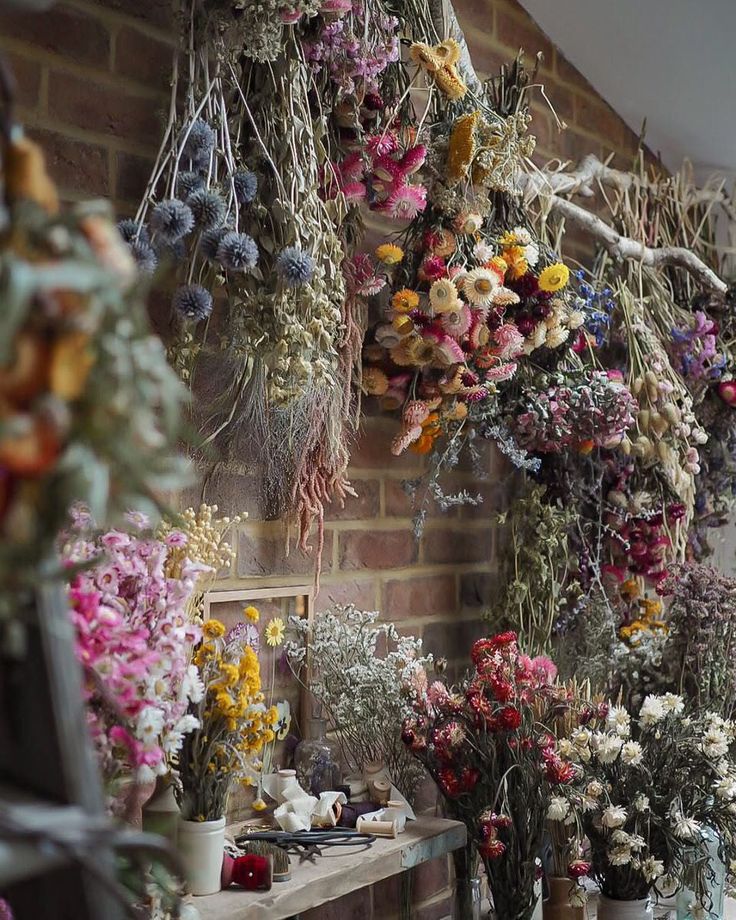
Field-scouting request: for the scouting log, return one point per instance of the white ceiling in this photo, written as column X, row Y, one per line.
column 672, row 62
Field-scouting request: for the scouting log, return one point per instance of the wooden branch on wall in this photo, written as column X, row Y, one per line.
column 552, row 185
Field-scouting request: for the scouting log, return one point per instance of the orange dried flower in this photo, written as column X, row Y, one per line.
column 375, row 381
column 405, row 300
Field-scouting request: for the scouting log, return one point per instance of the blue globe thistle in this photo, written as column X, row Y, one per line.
column 208, row 208
column 245, row 184
column 172, row 220
column 188, row 182
column 210, row 241
column 237, row 252
column 192, row 302
column 294, row 266
column 129, row 229
column 200, row 142
column 145, row 256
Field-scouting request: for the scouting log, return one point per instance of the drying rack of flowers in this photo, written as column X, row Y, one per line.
column 255, row 198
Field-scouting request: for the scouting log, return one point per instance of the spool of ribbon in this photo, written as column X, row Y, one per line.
column 252, row 873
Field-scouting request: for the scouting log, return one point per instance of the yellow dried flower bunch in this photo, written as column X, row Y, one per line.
column 439, row 61
column 462, row 147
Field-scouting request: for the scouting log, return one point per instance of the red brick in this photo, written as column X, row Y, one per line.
column 398, row 503
column 596, row 117
column 386, row 897
column 453, row 639
column 520, row 31
column 156, row 12
column 568, row 73
column 439, row 910
column 75, row 166
column 233, row 493
column 362, row 593
column 373, row 549
column 267, row 556
column 476, row 15
column 563, row 102
column 487, row 58
column 355, row 906
column 366, row 505
column 477, row 589
column 457, row 546
column 372, row 449
column 104, row 109
column 419, row 596
column 430, row 878
column 27, row 74
column 61, row 30
column 131, row 176
column 143, row 58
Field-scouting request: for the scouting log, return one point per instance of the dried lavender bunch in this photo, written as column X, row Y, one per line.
column 700, row 654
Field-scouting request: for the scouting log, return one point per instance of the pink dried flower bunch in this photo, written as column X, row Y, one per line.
column 594, row 411
column 388, row 171
column 134, row 641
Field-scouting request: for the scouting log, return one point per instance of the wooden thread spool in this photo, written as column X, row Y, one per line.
column 377, row 828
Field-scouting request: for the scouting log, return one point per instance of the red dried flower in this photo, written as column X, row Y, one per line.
column 493, row 849
column 510, row 718
column 578, row 868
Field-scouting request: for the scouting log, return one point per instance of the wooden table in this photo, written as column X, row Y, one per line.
column 337, row 873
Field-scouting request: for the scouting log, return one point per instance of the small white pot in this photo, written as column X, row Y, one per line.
column 609, row 909
column 202, row 844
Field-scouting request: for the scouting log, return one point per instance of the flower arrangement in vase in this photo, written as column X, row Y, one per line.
column 134, row 639
column 363, row 693
column 233, row 726
column 644, row 789
column 487, row 745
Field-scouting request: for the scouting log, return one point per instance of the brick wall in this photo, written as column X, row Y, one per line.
column 93, row 88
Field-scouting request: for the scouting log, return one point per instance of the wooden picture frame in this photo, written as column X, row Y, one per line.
column 277, row 682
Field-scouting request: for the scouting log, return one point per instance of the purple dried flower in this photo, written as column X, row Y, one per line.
column 172, row 220
column 294, row 266
column 208, row 208
column 188, row 182
column 193, row 302
column 144, row 255
column 237, row 252
column 245, row 184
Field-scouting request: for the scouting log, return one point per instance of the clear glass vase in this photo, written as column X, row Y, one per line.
column 715, row 881
column 317, row 760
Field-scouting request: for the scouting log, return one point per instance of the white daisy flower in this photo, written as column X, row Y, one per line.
column 443, row 295
column 652, row 710
column 632, row 753
column 614, row 816
column 479, row 286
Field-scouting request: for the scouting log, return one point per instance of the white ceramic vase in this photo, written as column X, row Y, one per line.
column 202, row 844
column 609, row 909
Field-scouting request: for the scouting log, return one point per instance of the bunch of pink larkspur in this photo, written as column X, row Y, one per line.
column 134, row 641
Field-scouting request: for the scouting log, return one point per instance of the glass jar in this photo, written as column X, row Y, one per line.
column 317, row 760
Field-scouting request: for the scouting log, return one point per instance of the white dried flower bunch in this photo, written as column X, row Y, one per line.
column 644, row 788
column 365, row 675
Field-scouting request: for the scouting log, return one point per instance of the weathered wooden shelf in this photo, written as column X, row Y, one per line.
column 337, row 873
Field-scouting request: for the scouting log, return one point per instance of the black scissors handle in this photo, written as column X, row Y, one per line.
column 321, row 838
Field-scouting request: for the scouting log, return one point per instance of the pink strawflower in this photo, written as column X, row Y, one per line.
column 432, row 269
column 354, row 192
column 501, row 372
column 413, row 159
column 509, row 341
column 379, row 145
column 405, row 202
column 415, row 412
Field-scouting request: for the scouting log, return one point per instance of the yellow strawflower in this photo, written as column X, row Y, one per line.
column 251, row 614
column 389, row 253
column 554, row 277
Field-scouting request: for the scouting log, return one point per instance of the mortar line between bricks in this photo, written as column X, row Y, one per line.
column 44, row 122
column 67, row 65
column 105, row 16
